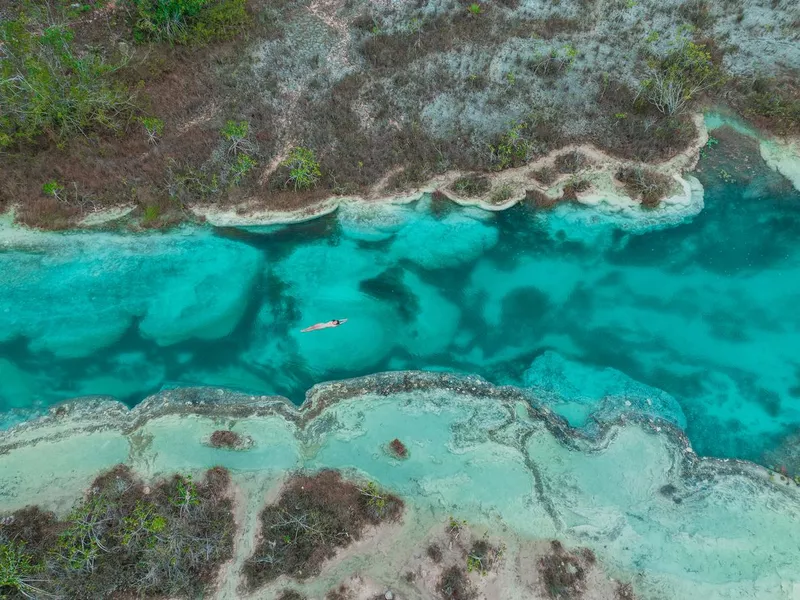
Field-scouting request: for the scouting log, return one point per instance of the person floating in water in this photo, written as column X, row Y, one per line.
column 326, row 325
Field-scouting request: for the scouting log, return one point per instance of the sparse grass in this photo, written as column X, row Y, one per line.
column 696, row 12
column 187, row 21
column 649, row 186
column 121, row 540
column 49, row 90
column 434, row 552
column 313, row 517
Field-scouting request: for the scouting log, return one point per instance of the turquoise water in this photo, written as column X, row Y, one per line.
column 696, row 323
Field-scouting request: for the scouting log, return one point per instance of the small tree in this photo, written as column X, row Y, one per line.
column 236, row 134
column 674, row 81
column 154, row 127
column 303, row 168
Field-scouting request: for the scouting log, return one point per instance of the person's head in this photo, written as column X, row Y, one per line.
column 336, row 322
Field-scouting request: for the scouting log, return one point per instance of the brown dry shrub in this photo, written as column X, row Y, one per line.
column 562, row 573
column 545, row 175
column 635, row 129
column 471, row 185
column 575, row 187
column 649, row 186
column 434, row 552
column 571, row 162
column 398, row 448
column 624, row 591
column 540, row 200
column 340, row 593
column 224, row 438
column 455, row 585
column 315, row 515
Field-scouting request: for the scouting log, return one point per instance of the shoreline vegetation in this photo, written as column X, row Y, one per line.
column 184, row 110
column 286, row 516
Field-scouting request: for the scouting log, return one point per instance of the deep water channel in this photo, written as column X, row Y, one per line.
column 697, row 322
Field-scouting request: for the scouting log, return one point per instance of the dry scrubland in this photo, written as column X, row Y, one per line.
column 175, row 538
column 161, row 105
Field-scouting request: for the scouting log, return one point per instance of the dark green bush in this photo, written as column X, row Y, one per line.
column 187, row 21
column 46, row 88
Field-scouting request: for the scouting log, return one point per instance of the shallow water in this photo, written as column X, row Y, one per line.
column 697, row 323
column 678, row 527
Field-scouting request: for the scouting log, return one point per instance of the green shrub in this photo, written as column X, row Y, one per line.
column 151, row 214
column 303, row 168
column 242, row 166
column 122, row 541
column 678, row 78
column 236, row 134
column 512, row 149
column 17, row 572
column 153, row 126
column 53, row 188
column 47, row 89
column 187, row 21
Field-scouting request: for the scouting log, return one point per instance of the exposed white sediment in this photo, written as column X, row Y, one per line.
column 783, row 156
column 780, row 154
column 678, row 526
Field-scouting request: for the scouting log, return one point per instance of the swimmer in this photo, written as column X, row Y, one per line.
column 326, row 325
